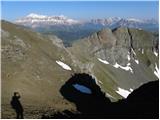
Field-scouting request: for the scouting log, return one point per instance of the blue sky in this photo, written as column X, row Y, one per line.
column 11, row 10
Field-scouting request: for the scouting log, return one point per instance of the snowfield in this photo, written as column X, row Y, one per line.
column 123, row 92
column 63, row 65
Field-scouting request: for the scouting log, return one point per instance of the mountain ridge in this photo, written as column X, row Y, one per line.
column 69, row 21
column 70, row 30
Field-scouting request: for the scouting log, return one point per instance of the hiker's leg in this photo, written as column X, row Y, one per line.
column 17, row 112
column 22, row 115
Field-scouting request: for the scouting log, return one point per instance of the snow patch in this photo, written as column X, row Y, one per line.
column 155, row 53
column 82, row 88
column 100, row 82
column 128, row 57
column 127, row 68
column 142, row 51
column 103, row 61
column 131, row 89
column 123, row 92
column 156, row 71
column 116, row 65
column 137, row 61
column 133, row 51
column 109, row 95
column 63, row 65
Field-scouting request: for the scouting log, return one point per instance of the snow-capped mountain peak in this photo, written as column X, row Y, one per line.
column 36, row 20
column 125, row 22
column 33, row 15
column 134, row 20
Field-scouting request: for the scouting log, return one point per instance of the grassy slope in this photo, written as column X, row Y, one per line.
column 31, row 69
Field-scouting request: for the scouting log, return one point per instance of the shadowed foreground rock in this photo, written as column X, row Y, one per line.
column 141, row 103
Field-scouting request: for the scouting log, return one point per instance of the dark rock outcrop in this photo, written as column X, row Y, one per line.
column 141, row 103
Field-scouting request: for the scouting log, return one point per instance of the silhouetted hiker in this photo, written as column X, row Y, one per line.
column 16, row 105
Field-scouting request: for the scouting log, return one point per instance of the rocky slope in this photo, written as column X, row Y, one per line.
column 37, row 66
column 123, row 58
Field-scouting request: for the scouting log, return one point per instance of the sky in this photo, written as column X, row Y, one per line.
column 81, row 10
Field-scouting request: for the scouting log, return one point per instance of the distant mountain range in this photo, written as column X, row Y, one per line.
column 70, row 30
column 35, row 20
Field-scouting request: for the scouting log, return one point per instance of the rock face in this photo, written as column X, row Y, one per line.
column 119, row 60
column 115, row 46
column 124, row 57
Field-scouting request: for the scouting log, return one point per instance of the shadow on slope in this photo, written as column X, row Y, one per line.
column 142, row 103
